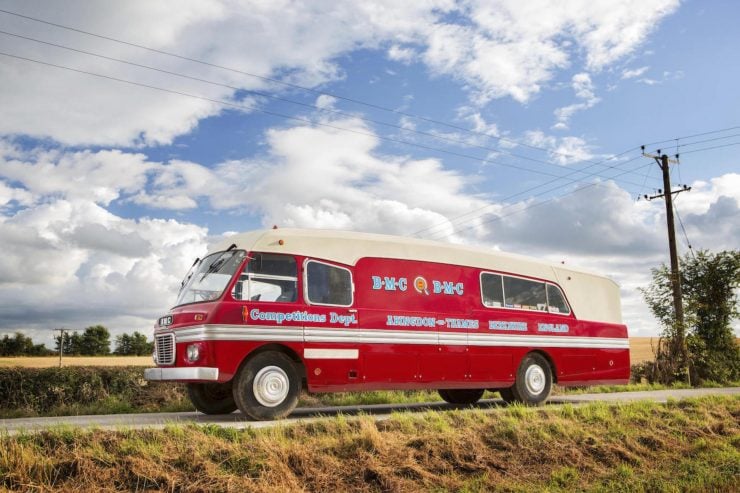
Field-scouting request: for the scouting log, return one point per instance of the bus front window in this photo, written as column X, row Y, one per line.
column 210, row 277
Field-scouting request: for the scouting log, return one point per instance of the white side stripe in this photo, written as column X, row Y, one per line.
column 383, row 336
column 331, row 353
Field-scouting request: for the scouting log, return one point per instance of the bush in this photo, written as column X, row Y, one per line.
column 642, row 371
column 35, row 391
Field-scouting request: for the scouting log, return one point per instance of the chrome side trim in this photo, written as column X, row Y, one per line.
column 384, row 336
column 239, row 332
column 191, row 373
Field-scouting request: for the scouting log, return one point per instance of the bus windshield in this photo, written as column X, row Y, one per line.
column 208, row 279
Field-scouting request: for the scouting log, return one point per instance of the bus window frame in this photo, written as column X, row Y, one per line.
column 562, row 293
column 250, row 256
column 503, row 290
column 307, row 299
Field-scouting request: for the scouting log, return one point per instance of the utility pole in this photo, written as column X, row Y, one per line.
column 61, row 343
column 667, row 193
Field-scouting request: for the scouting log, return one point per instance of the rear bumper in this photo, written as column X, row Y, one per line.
column 184, row 374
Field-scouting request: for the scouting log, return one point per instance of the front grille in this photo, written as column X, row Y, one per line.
column 165, row 349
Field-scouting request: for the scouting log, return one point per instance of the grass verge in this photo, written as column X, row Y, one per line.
column 32, row 392
column 690, row 445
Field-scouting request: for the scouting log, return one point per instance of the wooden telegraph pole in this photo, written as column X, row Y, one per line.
column 663, row 161
column 61, row 344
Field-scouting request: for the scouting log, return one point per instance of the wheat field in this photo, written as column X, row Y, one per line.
column 640, row 350
column 49, row 361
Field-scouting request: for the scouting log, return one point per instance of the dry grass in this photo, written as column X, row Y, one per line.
column 640, row 350
column 680, row 446
column 52, row 361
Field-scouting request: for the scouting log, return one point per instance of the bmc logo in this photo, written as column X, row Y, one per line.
column 446, row 287
column 420, row 284
column 390, row 283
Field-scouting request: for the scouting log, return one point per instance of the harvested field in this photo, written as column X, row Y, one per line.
column 51, row 361
column 689, row 445
column 641, row 349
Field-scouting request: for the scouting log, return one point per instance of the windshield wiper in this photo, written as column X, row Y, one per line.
column 217, row 263
column 189, row 274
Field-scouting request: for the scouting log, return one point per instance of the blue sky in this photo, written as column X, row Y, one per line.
column 108, row 189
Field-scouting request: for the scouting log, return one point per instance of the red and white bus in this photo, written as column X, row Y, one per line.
column 268, row 313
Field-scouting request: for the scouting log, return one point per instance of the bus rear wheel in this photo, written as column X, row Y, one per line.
column 461, row 396
column 212, row 398
column 533, row 381
column 268, row 386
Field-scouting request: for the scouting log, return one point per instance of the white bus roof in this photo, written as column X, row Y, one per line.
column 592, row 297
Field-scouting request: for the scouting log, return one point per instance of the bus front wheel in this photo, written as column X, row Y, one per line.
column 268, row 386
column 461, row 396
column 533, row 381
column 212, row 398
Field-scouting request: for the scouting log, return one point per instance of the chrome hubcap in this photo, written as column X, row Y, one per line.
column 535, row 379
column 271, row 386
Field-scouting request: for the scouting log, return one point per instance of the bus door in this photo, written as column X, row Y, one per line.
column 447, row 361
column 390, row 349
column 331, row 331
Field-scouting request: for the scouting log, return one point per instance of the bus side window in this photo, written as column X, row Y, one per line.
column 492, row 290
column 524, row 294
column 556, row 300
column 268, row 277
column 328, row 284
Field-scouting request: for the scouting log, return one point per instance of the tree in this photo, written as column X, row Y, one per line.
column 123, row 345
column 133, row 345
column 21, row 345
column 72, row 344
column 710, row 288
column 140, row 346
column 709, row 283
column 95, row 341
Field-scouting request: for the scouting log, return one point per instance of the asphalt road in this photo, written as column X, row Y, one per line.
column 378, row 411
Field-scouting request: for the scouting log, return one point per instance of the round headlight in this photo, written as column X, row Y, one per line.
column 193, row 353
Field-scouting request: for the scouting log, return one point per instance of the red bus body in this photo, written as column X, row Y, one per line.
column 416, row 320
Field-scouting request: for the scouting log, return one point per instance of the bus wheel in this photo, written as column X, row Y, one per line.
column 461, row 396
column 507, row 394
column 267, row 386
column 212, row 398
column 533, row 381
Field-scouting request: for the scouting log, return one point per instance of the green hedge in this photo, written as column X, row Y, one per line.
column 74, row 390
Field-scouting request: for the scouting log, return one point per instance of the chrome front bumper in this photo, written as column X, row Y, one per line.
column 194, row 373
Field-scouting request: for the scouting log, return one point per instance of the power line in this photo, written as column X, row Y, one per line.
column 454, row 219
column 537, row 204
column 710, row 148
column 497, row 218
column 243, row 106
column 705, row 141
column 281, row 115
column 644, row 182
column 688, row 136
column 288, row 84
column 308, row 105
column 509, row 206
column 688, row 243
